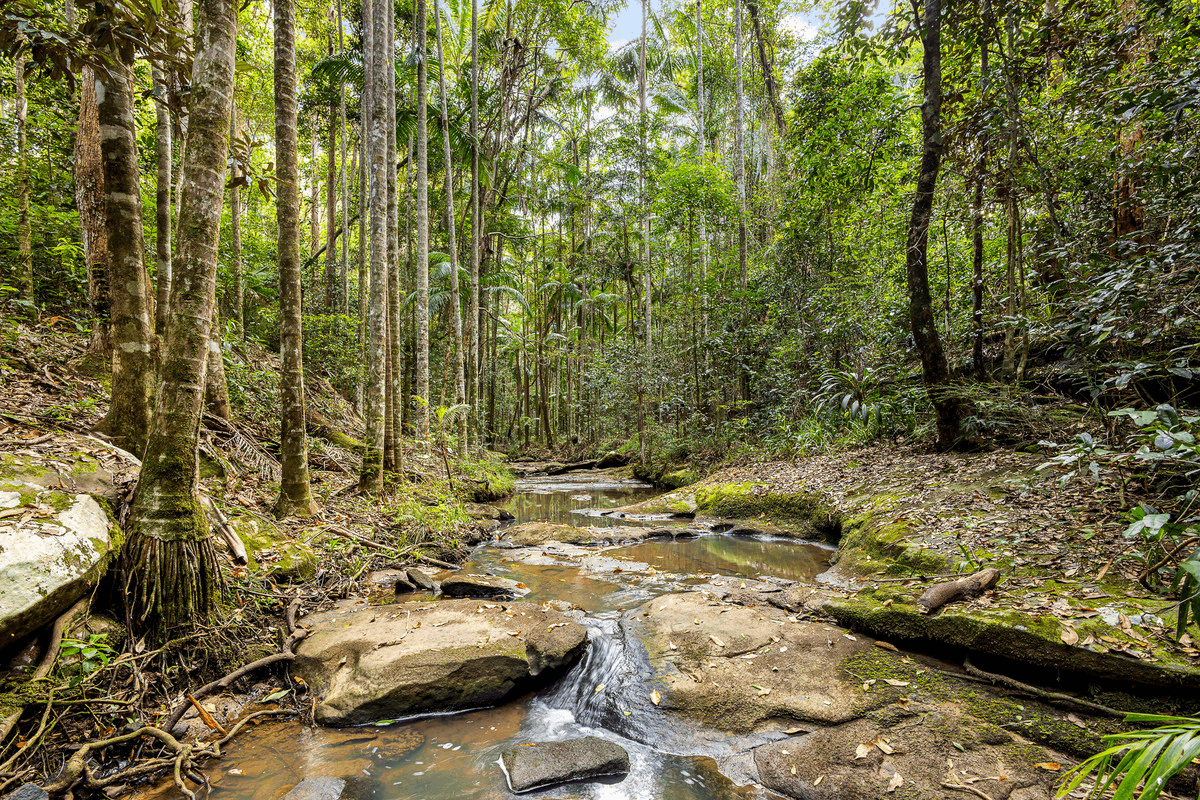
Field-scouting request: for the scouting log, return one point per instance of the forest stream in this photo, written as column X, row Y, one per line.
column 603, row 694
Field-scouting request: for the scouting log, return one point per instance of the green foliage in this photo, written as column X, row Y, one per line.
column 330, row 351
column 1143, row 760
column 82, row 657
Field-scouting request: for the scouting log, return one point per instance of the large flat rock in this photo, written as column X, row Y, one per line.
column 55, row 544
column 387, row 662
column 736, row 668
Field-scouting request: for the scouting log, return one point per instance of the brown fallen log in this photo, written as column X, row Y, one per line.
column 562, row 469
column 966, row 588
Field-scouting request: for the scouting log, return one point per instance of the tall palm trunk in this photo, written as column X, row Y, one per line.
column 24, row 246
column 475, row 363
column 90, row 202
column 295, row 492
column 393, row 453
column 170, row 561
column 421, row 411
column 456, row 326
column 128, row 420
column 371, row 476
column 162, row 207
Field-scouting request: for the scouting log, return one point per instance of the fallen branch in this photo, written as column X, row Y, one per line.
column 967, row 588
column 1052, row 697
column 232, row 540
column 437, row 562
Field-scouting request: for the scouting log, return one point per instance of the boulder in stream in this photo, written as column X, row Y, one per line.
column 421, row 580
column 483, row 586
column 543, row 764
column 320, row 788
column 387, row 662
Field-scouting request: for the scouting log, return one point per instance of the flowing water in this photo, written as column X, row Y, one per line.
column 454, row 757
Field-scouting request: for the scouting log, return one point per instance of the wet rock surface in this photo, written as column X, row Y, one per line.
column 320, row 788
column 543, row 764
column 483, row 586
column 396, row 661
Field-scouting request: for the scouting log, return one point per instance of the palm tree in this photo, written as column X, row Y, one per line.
column 170, row 563
column 295, row 493
column 460, row 380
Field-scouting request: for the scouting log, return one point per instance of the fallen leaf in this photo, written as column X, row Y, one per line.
column 888, row 646
column 1069, row 635
column 599, row 688
column 761, row 691
column 895, row 783
column 655, row 697
column 716, row 641
column 817, row 782
column 863, row 750
column 883, row 746
column 894, row 682
column 1049, row 766
column 1076, row 721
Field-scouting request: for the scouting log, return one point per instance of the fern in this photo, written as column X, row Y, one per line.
column 1147, row 758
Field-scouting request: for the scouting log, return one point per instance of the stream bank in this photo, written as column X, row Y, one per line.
column 710, row 660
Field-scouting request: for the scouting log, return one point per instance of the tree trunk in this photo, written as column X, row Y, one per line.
column 24, row 246
column 475, row 322
column 739, row 142
column 216, row 389
column 235, row 234
column 456, row 325
column 90, row 201
column 344, row 273
column 768, row 69
column 314, row 218
column 977, row 226
column 395, row 445
column 162, row 206
column 128, row 420
column 295, row 492
column 170, row 562
column 331, row 189
column 935, row 371
column 371, row 476
column 421, row 411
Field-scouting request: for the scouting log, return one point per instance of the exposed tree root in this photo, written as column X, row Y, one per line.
column 967, row 588
column 1056, row 698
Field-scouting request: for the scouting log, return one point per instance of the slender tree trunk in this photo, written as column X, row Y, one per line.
column 344, row 273
column 475, row 322
column 128, row 420
column 371, row 477
column 739, row 142
column 235, row 233
column 170, row 561
column 456, row 325
column 395, row 327
column 90, row 201
column 331, row 228
column 701, row 151
column 216, row 389
column 935, row 371
column 768, row 69
column 24, row 246
column 363, row 260
column 421, row 411
column 977, row 227
column 295, row 491
column 314, row 218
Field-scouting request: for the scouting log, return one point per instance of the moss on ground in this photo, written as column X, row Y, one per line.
column 487, row 478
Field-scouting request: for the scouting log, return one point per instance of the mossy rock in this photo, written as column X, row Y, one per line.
column 894, row 548
column 678, row 479
column 1029, row 639
column 297, row 563
column 804, row 515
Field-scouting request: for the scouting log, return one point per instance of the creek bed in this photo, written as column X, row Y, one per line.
column 454, row 756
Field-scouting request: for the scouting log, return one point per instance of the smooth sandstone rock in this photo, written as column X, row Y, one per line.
column 319, row 788
column 51, row 553
column 542, row 764
column 389, row 662
column 483, row 586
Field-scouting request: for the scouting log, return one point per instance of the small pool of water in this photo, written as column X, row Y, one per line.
column 568, row 498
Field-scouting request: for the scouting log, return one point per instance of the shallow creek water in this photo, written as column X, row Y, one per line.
column 455, row 756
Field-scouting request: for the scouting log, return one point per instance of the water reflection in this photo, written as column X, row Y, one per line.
column 565, row 498
column 740, row 556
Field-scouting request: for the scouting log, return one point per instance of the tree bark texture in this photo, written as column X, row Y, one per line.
column 90, row 202
column 162, row 206
column 170, row 561
column 235, row 233
column 768, row 68
column 475, row 363
column 24, row 243
column 331, row 188
column 935, row 371
column 421, row 409
column 295, row 492
column 371, row 477
column 393, row 453
column 128, row 420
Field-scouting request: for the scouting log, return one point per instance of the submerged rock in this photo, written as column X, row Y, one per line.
column 542, row 764
column 321, row 788
column 421, row 580
column 55, row 544
column 388, row 662
column 484, row 586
